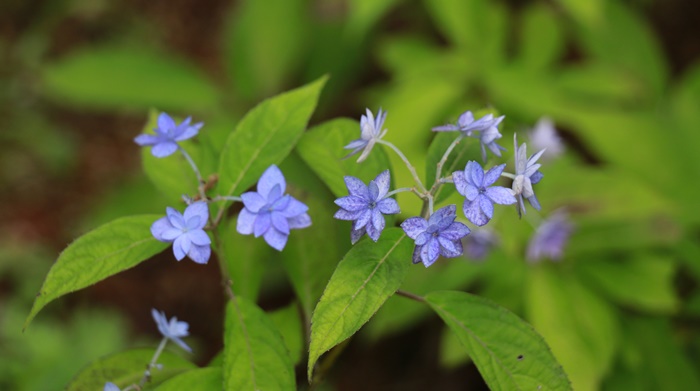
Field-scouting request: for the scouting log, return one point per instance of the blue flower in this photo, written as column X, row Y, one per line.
column 487, row 126
column 172, row 330
column 550, row 238
column 164, row 142
column 109, row 386
column 440, row 235
column 480, row 196
column 544, row 136
column 271, row 213
column 366, row 206
column 479, row 243
column 185, row 232
column 526, row 175
column 370, row 132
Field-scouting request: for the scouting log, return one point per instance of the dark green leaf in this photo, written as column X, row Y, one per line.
column 288, row 322
column 202, row 379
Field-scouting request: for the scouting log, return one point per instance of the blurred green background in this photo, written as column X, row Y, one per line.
column 620, row 79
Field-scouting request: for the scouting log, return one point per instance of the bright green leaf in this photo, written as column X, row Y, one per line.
column 587, row 12
column 363, row 14
column 126, row 368
column 131, row 77
column 288, row 322
column 265, row 136
column 368, row 274
column 508, row 352
column 322, row 150
column 105, row 251
column 202, row 379
column 255, row 355
column 541, row 38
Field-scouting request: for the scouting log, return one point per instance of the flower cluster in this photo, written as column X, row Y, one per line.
column 185, row 232
column 167, row 134
column 439, row 235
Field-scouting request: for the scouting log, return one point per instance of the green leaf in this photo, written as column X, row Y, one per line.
column 467, row 149
column 266, row 43
column 246, row 260
column 580, row 327
column 131, row 77
column 508, row 352
column 541, row 38
column 126, row 368
column 201, row 379
column 288, row 322
column 645, row 282
column 587, row 12
column 265, row 136
column 462, row 22
column 255, row 355
column 322, row 150
column 105, row 251
column 363, row 14
column 452, row 354
column 368, row 274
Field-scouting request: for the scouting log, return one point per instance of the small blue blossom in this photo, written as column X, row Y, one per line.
column 479, row 243
column 440, row 235
column 185, row 232
column 366, row 206
column 172, row 330
column 164, row 142
column 370, row 132
column 550, row 238
column 487, row 126
column 480, row 196
column 109, row 386
column 544, row 136
column 526, row 175
column 271, row 213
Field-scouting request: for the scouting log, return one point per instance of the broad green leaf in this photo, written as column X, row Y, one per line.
column 105, row 251
column 462, row 22
column 202, row 379
column 246, row 259
column 322, row 150
column 593, row 237
column 368, row 274
column 126, row 368
column 131, row 77
column 541, row 38
column 580, row 327
column 288, row 323
column 363, row 14
column 255, row 355
column 452, row 353
column 266, row 43
column 265, row 136
column 645, row 282
column 588, row 12
column 508, row 352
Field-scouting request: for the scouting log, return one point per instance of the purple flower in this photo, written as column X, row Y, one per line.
column 366, row 206
column 109, row 386
column 440, row 235
column 480, row 196
column 526, row 175
column 185, row 232
column 550, row 238
column 544, row 136
column 486, row 125
column 164, row 142
column 370, row 132
column 271, row 213
column 172, row 330
column 478, row 244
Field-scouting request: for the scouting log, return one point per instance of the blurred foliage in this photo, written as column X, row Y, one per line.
column 615, row 311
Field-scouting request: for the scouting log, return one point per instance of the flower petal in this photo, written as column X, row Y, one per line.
column 486, row 206
column 377, row 220
column 246, row 222
column 171, row 234
column 423, row 238
column 493, row 174
column 443, row 217
column 455, row 231
column 373, row 191
column 159, row 227
column 200, row 254
column 147, row 139
column 262, row 224
column 474, row 173
column 189, row 132
column 430, row 252
column 165, row 122
column 363, row 219
column 536, row 177
column 352, row 203
column 253, row 201
column 179, row 342
column 199, row 237
column 414, row 226
column 280, row 222
column 500, row 195
column 373, row 232
column 276, row 239
column 271, row 177
column 388, row 206
column 473, row 213
column 534, row 202
column 356, row 187
column 164, row 148
column 356, row 235
column 300, row 221
column 448, row 247
column 343, row 214
column 177, row 249
column 416, row 254
column 200, row 209
column 460, row 181
column 383, row 181
column 275, row 194
column 465, row 118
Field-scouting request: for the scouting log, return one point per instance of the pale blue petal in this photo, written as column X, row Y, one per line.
column 493, row 174
column 281, row 203
column 475, row 174
column 383, row 181
column 262, row 224
column 184, row 242
column 445, row 128
column 356, row 235
column 179, row 342
column 199, row 237
column 109, row 386
column 443, row 217
column 271, row 177
column 165, row 123
column 194, row 223
column 189, row 132
column 159, row 227
column 177, row 248
column 448, row 247
column 455, row 231
column 460, row 181
column 352, row 203
column 416, row 254
column 430, row 252
column 486, row 206
column 465, row 118
column 164, row 148
column 146, row 139
column 363, row 219
column 171, row 234
column 343, row 214
column 294, row 208
column 473, row 213
column 253, row 201
column 301, row 221
column 356, row 187
column 500, row 195
column 536, row 177
column 279, row 222
column 276, row 239
column 534, row 202
column 471, row 192
column 373, row 191
column 274, row 194
column 423, row 238
column 200, row 254
column 377, row 220
column 388, row 206
column 373, row 232
column 246, row 222
column 414, row 226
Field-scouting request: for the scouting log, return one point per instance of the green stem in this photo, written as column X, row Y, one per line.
column 410, row 295
column 408, row 164
column 200, row 181
column 441, row 163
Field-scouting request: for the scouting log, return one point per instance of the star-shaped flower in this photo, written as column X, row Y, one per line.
column 440, row 235
column 479, row 243
column 480, row 196
column 544, row 136
column 550, row 238
column 526, row 175
column 164, row 142
column 366, row 206
column 109, row 386
column 271, row 213
column 486, row 126
column 172, row 330
column 370, row 131
column 185, row 232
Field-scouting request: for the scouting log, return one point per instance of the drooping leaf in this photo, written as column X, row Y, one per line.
column 585, row 12
column 541, row 40
column 255, row 355
column 126, row 368
column 580, row 327
column 128, row 77
column 322, row 150
column 265, row 136
column 201, row 379
column 508, row 352
column 107, row 250
column 368, row 274
column 288, row 322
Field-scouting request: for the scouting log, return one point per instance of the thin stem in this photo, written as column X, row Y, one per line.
column 395, row 191
column 227, row 198
column 442, row 161
column 200, row 181
column 408, row 164
column 147, row 375
column 410, row 295
column 508, row 175
column 430, row 204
